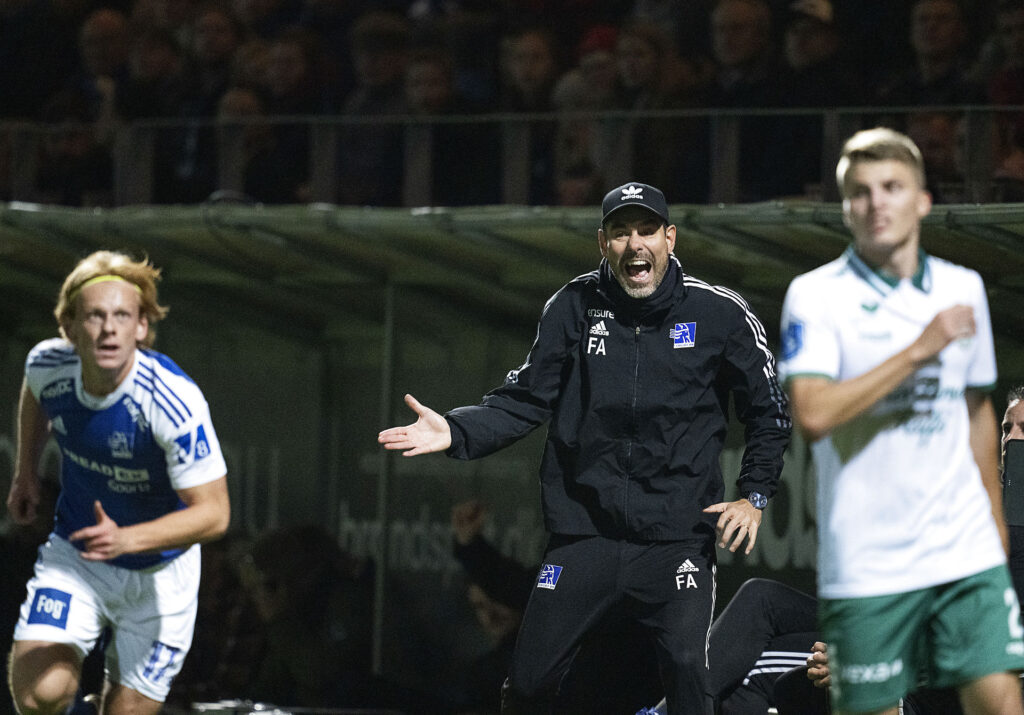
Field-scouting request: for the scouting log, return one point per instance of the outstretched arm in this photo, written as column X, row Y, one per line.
column 429, row 433
column 23, row 497
column 820, row 405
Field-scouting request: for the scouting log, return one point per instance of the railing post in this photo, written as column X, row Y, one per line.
column 978, row 160
column 515, row 162
column 133, row 164
column 418, row 173
column 231, row 160
column 323, row 162
column 725, row 159
column 24, row 162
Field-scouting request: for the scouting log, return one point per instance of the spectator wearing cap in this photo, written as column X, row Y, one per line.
column 634, row 367
column 816, row 74
column 746, row 77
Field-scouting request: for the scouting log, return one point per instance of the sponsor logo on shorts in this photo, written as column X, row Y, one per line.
column 858, row 674
column 50, row 608
column 684, row 335
column 549, row 575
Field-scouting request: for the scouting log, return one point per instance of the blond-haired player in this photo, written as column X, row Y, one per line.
column 143, row 482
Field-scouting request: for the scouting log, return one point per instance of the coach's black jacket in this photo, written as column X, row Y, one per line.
column 638, row 404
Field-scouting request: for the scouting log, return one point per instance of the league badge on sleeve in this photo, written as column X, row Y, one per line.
column 548, row 578
column 792, row 339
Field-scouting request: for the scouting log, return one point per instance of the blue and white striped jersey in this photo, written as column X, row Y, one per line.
column 130, row 449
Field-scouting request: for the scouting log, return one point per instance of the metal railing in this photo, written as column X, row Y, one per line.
column 139, row 156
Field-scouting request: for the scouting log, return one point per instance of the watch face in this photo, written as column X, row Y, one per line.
column 758, row 500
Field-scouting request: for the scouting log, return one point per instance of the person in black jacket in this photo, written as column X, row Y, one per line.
column 633, row 367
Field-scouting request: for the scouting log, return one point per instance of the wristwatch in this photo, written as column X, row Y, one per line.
column 757, row 500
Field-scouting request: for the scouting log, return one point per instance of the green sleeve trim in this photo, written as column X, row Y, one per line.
column 987, row 389
column 794, row 376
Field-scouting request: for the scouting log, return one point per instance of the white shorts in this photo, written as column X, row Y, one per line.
column 151, row 613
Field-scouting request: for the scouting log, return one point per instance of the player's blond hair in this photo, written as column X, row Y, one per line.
column 112, row 265
column 879, row 144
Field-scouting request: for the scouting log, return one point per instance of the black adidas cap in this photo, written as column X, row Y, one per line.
column 634, row 194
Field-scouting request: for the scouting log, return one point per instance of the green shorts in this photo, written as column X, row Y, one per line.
column 883, row 647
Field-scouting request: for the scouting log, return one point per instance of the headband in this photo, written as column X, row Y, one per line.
column 106, row 277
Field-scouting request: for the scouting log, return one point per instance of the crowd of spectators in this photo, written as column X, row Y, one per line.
column 84, row 68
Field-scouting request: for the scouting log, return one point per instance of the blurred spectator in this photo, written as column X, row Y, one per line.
column 471, row 35
column 266, row 18
column 295, row 75
column 1006, row 85
column 227, row 631
column 155, row 85
column 103, row 43
column 653, row 76
column 747, row 70
column 174, row 16
column 530, row 66
column 37, row 53
column 185, row 167
column 315, row 604
column 74, row 168
column 370, row 153
column 249, row 64
column 272, row 171
column 332, row 22
column 498, row 588
column 464, row 159
column 583, row 143
column 817, row 74
column 743, row 49
column 685, row 21
column 939, row 38
column 818, row 70
column 216, row 35
column 938, row 136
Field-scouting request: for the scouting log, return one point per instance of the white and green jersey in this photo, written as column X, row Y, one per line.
column 901, row 505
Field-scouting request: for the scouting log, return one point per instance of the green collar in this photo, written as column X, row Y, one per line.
column 885, row 282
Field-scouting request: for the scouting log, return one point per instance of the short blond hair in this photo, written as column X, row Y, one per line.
column 142, row 274
column 879, row 144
